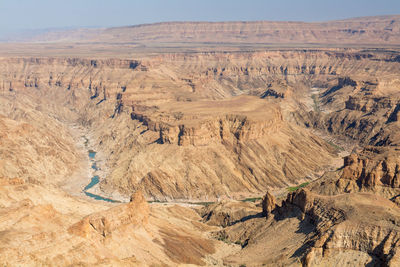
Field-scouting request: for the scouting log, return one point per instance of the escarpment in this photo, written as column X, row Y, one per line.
column 366, row 30
column 230, row 128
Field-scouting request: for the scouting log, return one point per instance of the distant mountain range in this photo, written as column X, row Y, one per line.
column 382, row 30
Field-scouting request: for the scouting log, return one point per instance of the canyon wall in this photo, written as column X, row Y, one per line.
column 195, row 126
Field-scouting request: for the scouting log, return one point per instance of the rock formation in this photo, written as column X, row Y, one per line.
column 227, row 213
column 268, row 204
column 134, row 213
column 317, row 230
column 343, row 230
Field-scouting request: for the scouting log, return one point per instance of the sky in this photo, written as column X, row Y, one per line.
column 16, row 15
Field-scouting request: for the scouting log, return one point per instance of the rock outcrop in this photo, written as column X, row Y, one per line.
column 344, row 225
column 373, row 169
column 268, row 204
column 228, row 213
column 135, row 213
column 318, row 230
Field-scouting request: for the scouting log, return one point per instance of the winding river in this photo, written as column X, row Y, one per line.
column 95, row 180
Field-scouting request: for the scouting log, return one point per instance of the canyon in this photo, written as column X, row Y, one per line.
column 221, row 144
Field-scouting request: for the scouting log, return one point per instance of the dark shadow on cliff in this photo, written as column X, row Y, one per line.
column 248, row 217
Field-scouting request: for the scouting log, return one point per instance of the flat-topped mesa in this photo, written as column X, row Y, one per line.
column 367, row 95
column 383, row 30
column 230, row 128
column 242, row 118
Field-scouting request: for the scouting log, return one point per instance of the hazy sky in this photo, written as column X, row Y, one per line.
column 39, row 14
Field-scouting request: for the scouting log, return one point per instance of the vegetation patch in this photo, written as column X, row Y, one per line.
column 338, row 148
column 206, row 204
column 316, row 103
column 294, row 188
column 156, row 201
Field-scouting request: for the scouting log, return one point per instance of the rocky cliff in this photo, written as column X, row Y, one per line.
column 342, row 230
column 317, row 230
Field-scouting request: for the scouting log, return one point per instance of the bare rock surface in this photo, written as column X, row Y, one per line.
column 135, row 213
column 227, row 213
column 268, row 204
column 317, row 230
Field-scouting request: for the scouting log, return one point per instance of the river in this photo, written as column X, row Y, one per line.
column 95, row 180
